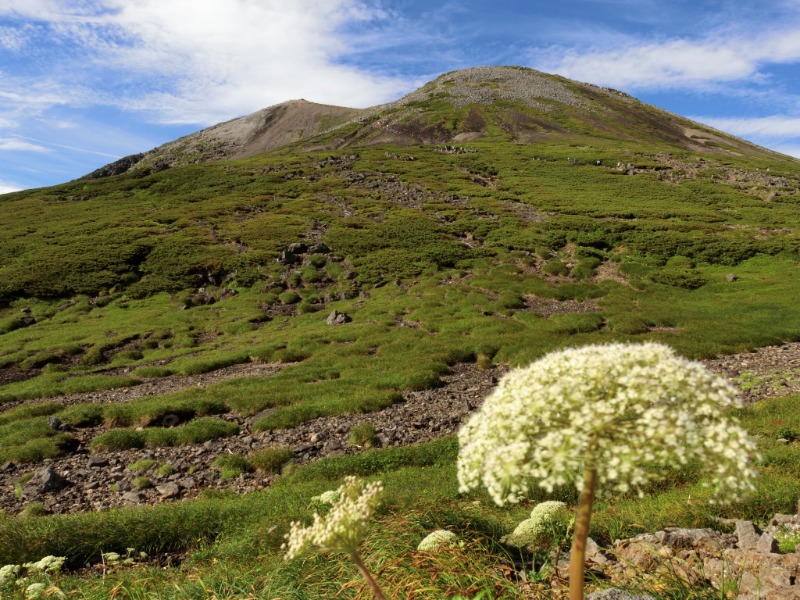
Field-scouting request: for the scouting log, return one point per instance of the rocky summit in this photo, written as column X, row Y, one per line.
column 528, row 105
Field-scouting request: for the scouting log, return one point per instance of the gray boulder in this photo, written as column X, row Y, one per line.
column 44, row 481
column 338, row 318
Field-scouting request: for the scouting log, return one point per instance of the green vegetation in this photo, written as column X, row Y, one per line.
column 142, row 465
column 195, row 432
column 495, row 255
column 234, row 543
column 142, row 483
column 363, row 435
column 270, row 459
column 231, row 465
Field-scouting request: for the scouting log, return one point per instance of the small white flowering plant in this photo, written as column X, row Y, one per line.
column 342, row 528
column 548, row 525
column 604, row 418
column 436, row 539
column 34, row 577
column 324, row 501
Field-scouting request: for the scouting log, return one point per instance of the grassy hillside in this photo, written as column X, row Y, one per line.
column 450, row 230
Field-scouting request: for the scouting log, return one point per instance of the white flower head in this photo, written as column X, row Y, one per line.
column 436, row 539
column 330, row 497
column 9, row 574
column 548, row 510
column 343, row 527
column 48, row 564
column 622, row 409
column 35, row 590
column 542, row 524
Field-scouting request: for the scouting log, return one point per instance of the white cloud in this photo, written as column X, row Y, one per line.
column 26, row 96
column 675, row 63
column 235, row 57
column 7, row 189
column 202, row 62
column 775, row 127
column 790, row 149
column 24, row 143
column 15, row 145
column 12, row 38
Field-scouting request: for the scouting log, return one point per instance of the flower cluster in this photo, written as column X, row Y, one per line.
column 48, row 564
column 344, row 526
column 9, row 575
column 35, row 590
column 328, row 498
column 544, row 519
column 19, row 576
column 436, row 539
column 624, row 410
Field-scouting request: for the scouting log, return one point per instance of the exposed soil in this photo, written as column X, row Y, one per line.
column 421, row 417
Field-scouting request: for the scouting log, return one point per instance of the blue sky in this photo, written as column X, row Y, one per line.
column 84, row 82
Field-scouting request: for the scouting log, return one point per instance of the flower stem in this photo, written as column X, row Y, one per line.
column 582, row 520
column 367, row 575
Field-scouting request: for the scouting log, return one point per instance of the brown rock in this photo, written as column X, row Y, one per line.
column 169, row 490
column 133, row 497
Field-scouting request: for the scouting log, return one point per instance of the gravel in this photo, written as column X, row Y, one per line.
column 102, row 481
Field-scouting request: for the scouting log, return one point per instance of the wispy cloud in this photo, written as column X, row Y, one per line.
column 7, row 189
column 789, row 149
column 24, row 143
column 776, row 126
column 13, row 39
column 15, row 144
column 204, row 62
column 676, row 63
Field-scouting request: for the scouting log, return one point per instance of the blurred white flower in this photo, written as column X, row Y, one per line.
column 330, row 497
column 436, row 539
column 48, row 564
column 343, row 527
column 35, row 590
column 8, row 574
column 545, row 517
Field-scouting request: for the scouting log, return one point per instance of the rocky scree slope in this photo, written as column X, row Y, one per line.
column 82, row 480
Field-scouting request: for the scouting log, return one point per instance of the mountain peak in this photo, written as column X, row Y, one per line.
column 488, row 85
column 513, row 103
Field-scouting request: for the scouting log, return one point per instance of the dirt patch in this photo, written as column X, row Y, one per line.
column 551, row 306
column 14, row 373
column 609, row 271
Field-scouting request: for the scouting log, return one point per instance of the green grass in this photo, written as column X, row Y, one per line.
column 195, row 432
column 422, row 495
column 142, row 465
column 363, row 435
column 430, row 279
column 142, row 483
column 231, row 465
column 270, row 459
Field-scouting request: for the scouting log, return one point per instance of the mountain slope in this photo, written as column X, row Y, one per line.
column 264, row 130
column 510, row 103
column 556, row 214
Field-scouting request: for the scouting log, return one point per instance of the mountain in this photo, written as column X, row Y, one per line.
column 514, row 103
column 237, row 316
